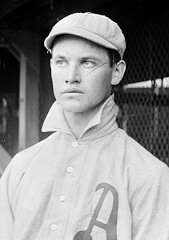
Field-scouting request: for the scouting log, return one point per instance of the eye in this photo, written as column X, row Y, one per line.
column 89, row 63
column 59, row 62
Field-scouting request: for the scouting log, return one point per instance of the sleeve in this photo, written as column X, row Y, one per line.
column 8, row 185
column 6, row 215
column 150, row 207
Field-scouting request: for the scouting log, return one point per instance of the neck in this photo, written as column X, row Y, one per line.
column 79, row 120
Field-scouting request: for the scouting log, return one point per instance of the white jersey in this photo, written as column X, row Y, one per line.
column 102, row 186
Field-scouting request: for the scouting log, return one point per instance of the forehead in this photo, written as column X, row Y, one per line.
column 63, row 41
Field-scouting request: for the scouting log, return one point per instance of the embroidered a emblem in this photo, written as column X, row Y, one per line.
column 111, row 226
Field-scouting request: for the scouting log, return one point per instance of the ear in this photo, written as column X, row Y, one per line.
column 118, row 72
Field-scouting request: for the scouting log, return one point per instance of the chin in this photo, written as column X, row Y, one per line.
column 72, row 107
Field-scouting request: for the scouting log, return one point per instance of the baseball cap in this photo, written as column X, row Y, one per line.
column 91, row 26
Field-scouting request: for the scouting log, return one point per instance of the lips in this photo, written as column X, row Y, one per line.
column 72, row 90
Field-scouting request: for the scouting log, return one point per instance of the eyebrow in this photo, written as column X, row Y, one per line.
column 80, row 58
column 90, row 57
column 58, row 56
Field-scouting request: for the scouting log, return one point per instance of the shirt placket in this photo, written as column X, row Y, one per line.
column 62, row 193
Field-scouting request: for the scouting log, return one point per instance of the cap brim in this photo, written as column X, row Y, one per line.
column 80, row 33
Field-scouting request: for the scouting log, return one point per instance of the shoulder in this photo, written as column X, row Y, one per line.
column 139, row 163
column 21, row 163
column 23, row 159
column 31, row 151
column 142, row 166
column 140, row 156
column 134, row 153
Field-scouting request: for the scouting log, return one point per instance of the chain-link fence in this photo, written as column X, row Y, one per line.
column 144, row 104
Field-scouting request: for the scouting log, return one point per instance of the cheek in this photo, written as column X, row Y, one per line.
column 56, row 89
column 101, row 84
column 56, row 82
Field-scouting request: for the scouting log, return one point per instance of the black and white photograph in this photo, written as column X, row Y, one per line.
column 84, row 120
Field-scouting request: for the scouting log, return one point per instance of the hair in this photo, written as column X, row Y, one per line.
column 114, row 56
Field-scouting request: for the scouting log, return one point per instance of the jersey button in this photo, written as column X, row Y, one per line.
column 62, row 198
column 53, row 226
column 75, row 144
column 69, row 170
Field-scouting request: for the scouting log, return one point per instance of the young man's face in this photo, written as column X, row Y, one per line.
column 81, row 74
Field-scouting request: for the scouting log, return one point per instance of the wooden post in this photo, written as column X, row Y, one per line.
column 22, row 104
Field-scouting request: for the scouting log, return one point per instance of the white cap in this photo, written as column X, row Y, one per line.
column 94, row 27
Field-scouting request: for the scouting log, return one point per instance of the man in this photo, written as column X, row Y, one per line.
column 89, row 179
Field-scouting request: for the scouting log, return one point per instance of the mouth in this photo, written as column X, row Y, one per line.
column 72, row 91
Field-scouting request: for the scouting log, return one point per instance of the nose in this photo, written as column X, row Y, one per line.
column 73, row 76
